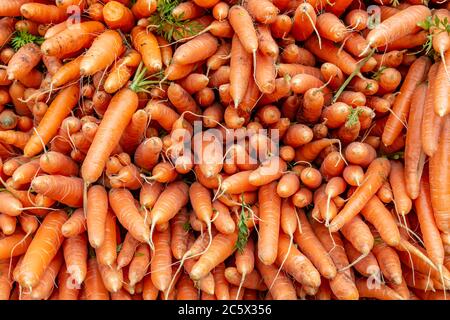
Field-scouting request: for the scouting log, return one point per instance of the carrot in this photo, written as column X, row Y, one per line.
column 242, row 24
column 67, row 289
column 310, row 151
column 117, row 16
column 310, row 245
column 195, row 50
column 296, row 264
column 357, row 19
column 330, row 53
column 252, row 280
column 43, row 13
column 366, row 265
column 112, row 277
column 96, row 215
column 127, row 250
column 375, row 175
column 143, row 8
column 7, row 224
column 222, row 246
column 439, row 185
column 147, row 45
column 378, row 291
column 7, row 27
column 430, row 232
column 400, row 109
column 103, row 52
column 240, row 70
column 264, row 12
column 266, row 43
column 107, row 251
column 122, row 203
column 414, row 156
column 120, row 111
column 183, row 101
column 402, row 201
column 161, row 261
column 42, row 249
column 185, row 289
column 178, row 241
column 223, row 221
column 304, row 21
column 280, row 286
column 46, row 284
column 431, row 124
column 139, row 264
column 52, row 119
column 14, row 245
column 23, row 61
column 75, row 257
column 58, row 164
column 389, row 262
column 221, row 286
column 72, row 39
column 353, row 175
column 397, row 26
column 330, row 27
column 282, row 26
column 67, row 190
column 149, row 291
column 94, row 287
column 376, row 213
column 10, row 205
column 75, row 225
column 358, row 234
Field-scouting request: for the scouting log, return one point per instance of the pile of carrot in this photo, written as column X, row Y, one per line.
column 336, row 183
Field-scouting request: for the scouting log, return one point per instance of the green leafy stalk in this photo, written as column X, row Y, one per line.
column 168, row 26
column 353, row 117
column 119, row 247
column 142, row 83
column 22, row 38
column 243, row 231
column 352, row 75
column 187, row 226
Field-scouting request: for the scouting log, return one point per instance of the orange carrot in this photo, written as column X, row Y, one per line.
column 222, row 246
column 119, row 112
column 59, row 109
column 375, row 175
column 75, row 257
column 67, row 190
column 75, row 225
column 42, row 249
column 400, row 109
column 161, row 261
column 72, row 39
column 123, row 205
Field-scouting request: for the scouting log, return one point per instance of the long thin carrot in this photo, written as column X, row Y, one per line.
column 123, row 205
column 439, row 183
column 60, row 108
column 400, row 109
column 375, row 175
column 42, row 249
column 414, row 156
column 222, row 246
column 116, row 118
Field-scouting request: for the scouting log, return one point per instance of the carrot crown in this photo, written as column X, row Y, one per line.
column 22, row 38
column 142, row 83
column 243, row 231
column 168, row 26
